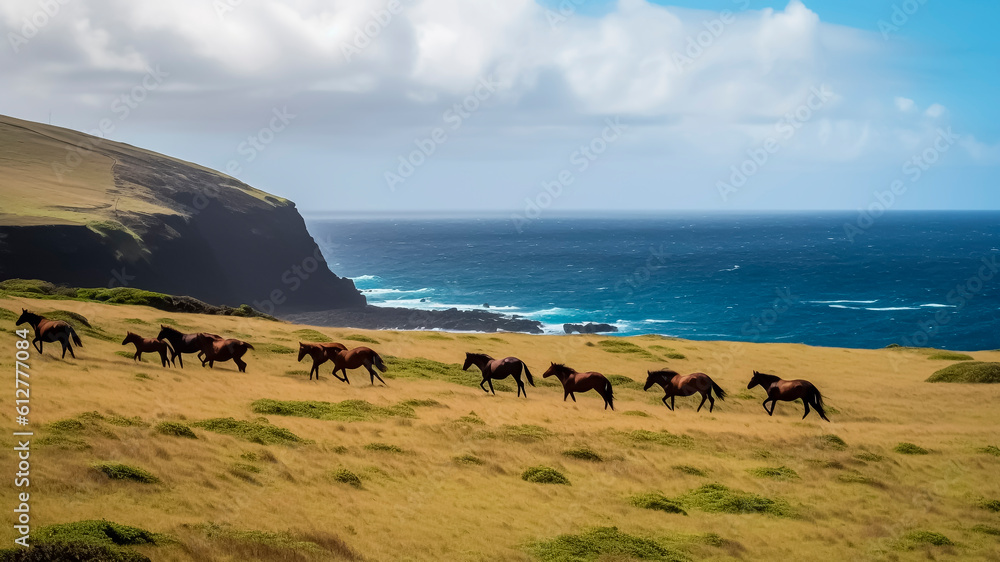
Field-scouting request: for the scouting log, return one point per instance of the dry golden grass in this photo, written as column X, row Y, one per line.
column 423, row 504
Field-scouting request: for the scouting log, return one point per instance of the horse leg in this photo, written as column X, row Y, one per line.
column 703, row 398
column 711, row 403
column 65, row 344
column 664, row 399
column 764, row 404
column 673, row 404
column 490, row 382
column 573, row 396
column 805, row 402
column 37, row 343
column 774, row 404
column 483, row 382
column 241, row 364
column 819, row 409
column 565, row 394
column 520, row 386
column 138, row 356
column 179, row 357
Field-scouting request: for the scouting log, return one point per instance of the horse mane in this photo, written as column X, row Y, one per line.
column 483, row 355
column 665, row 373
column 170, row 329
column 767, row 377
column 562, row 367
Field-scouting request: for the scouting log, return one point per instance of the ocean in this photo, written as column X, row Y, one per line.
column 926, row 279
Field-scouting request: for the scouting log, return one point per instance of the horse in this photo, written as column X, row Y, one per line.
column 675, row 384
column 184, row 343
column 573, row 381
column 50, row 331
column 147, row 344
column 223, row 350
column 354, row 358
column 778, row 389
column 499, row 369
column 318, row 352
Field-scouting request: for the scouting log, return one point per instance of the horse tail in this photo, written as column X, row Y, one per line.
column 379, row 364
column 817, row 400
column 611, row 393
column 527, row 373
column 248, row 346
column 718, row 390
column 76, row 338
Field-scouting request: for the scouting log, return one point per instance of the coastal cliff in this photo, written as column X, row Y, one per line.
column 83, row 211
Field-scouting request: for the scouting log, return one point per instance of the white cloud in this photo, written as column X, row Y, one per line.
column 904, row 104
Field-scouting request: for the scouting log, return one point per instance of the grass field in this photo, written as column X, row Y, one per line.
column 267, row 465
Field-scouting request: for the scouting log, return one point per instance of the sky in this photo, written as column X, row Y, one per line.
column 525, row 107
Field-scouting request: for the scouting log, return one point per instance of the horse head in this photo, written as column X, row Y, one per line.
column 556, row 370
column 303, row 350
column 757, row 379
column 661, row 377
column 165, row 332
column 470, row 360
column 26, row 317
column 129, row 338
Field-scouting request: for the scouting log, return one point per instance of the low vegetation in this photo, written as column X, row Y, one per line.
column 119, row 471
column 662, row 437
column 603, row 543
column 969, row 372
column 689, row 470
column 544, row 475
column 831, row 441
column 347, row 411
column 914, row 539
column 254, row 432
column 345, row 476
column 383, row 448
column 625, row 346
column 910, row 449
column 583, row 454
column 716, row 498
column 776, row 472
column 175, row 429
column 420, row 368
column 949, row 356
column 524, row 433
column 656, row 501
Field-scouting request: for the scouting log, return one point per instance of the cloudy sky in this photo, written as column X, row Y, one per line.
column 398, row 106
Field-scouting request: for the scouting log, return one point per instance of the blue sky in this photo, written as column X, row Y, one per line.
column 371, row 123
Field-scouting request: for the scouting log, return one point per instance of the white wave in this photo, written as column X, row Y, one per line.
column 935, row 305
column 734, row 268
column 843, row 302
column 366, row 278
column 394, row 291
column 887, row 308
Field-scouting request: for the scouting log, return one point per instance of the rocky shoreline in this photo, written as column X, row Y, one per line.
column 386, row 318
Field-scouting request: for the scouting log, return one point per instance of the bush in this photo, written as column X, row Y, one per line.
column 544, row 475
column 909, row 449
column 990, row 505
column 583, row 454
column 857, row 478
column 310, row 335
column 383, row 448
column 656, row 501
column 833, row 442
column 716, row 498
column 603, row 543
column 622, row 346
column 689, row 470
column 348, row 410
column 991, row 450
column 915, row 538
column 468, row 459
column 118, row 471
column 662, row 437
column 361, row 338
column 471, row 418
column 92, row 541
column 276, row 348
column 869, row 457
column 255, row 432
column 175, row 429
column 59, row 552
column 969, row 372
column 525, row 433
column 949, row 356
column 345, row 476
column 636, row 413
column 621, row 381
column 779, row 472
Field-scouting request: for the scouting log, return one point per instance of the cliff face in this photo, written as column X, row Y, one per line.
column 82, row 211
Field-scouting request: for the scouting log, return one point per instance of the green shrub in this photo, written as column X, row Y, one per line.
column 255, row 432
column 276, row 348
column 347, row 411
column 603, row 543
column 621, row 381
column 636, row 413
column 991, row 450
column 361, row 338
column 662, row 437
column 869, row 457
column 915, row 538
column 7, row 316
column 419, row 368
column 435, row 336
column 778, row 472
column 544, row 475
column 689, row 470
column 583, row 454
column 987, row 530
column 525, row 433
column 62, row 552
column 97, row 532
column 857, row 478
column 468, row 459
column 310, row 335
column 969, row 372
column 909, row 449
column 175, row 429
column 246, row 544
column 383, row 448
column 832, row 442
column 623, row 346
column 345, row 476
column 422, row 403
column 119, row 471
column 991, row 505
column 949, row 356
column 656, row 501
column 471, row 418
column 716, row 498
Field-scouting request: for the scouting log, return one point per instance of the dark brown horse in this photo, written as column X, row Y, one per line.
column 50, row 331
column 185, row 343
column 573, row 381
column 223, row 350
column 675, row 384
column 147, row 344
column 319, row 354
column 787, row 391
column 354, row 358
column 499, row 369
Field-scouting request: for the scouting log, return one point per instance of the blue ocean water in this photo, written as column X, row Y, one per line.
column 913, row 278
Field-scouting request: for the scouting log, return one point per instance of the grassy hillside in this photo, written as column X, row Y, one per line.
column 220, row 465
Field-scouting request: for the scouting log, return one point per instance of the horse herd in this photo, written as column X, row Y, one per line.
column 212, row 348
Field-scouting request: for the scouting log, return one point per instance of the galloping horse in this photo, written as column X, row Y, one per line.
column 223, row 350
column 499, row 369
column 50, row 331
column 357, row 357
column 318, row 352
column 675, row 384
column 573, row 381
column 778, row 389
column 184, row 343
column 147, row 344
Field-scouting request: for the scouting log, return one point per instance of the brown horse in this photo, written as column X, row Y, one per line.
column 675, row 384
column 50, row 331
column 354, row 358
column 573, row 381
column 498, row 369
column 319, row 354
column 185, row 343
column 147, row 344
column 787, row 391
column 223, row 350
